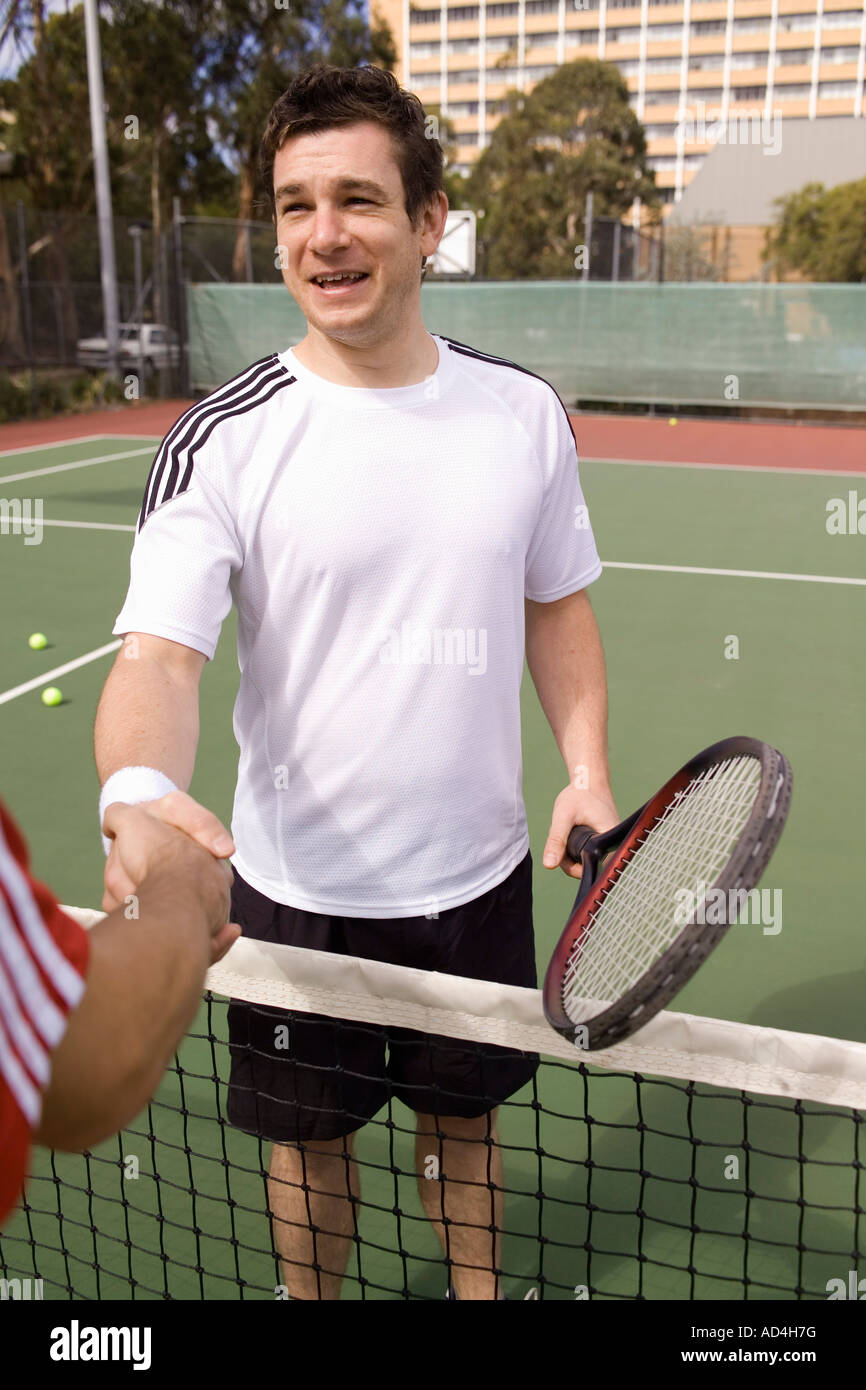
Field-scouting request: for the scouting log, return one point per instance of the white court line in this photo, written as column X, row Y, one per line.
column 62, row 443
column 87, row 525
column 607, row 564
column 76, row 439
column 731, row 467
column 47, row 676
column 735, row 574
column 80, row 463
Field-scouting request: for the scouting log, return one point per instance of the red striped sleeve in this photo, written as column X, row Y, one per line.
column 43, row 961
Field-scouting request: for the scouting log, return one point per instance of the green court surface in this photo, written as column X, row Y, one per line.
column 797, row 681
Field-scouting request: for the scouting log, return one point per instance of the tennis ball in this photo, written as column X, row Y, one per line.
column 38, row 641
column 52, row 696
column 673, row 420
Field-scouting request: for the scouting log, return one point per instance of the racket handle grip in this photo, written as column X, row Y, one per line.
column 578, row 840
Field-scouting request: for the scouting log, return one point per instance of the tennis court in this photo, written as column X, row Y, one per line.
column 726, row 608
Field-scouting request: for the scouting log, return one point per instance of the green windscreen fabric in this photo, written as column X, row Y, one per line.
column 723, row 345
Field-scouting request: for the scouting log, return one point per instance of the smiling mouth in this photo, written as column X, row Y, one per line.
column 344, row 284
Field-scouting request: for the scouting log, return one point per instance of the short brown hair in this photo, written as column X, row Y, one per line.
column 326, row 96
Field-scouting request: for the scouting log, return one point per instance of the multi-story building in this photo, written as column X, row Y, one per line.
column 687, row 64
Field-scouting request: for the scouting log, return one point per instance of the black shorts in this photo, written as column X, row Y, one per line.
column 298, row 1077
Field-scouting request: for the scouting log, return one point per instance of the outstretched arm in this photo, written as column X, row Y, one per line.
column 148, row 717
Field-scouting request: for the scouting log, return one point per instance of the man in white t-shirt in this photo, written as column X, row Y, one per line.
column 397, row 517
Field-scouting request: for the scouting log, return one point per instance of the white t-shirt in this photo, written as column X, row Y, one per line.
column 378, row 545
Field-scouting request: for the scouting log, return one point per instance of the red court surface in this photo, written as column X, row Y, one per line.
column 742, row 443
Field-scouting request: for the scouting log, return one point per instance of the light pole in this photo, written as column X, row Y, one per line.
column 135, row 231
column 103, row 188
column 587, row 232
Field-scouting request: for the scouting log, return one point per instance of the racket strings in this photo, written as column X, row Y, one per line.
column 643, row 910
column 645, row 901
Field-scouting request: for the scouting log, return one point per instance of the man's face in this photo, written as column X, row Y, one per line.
column 339, row 207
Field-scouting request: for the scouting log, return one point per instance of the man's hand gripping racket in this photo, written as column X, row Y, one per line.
column 630, row 944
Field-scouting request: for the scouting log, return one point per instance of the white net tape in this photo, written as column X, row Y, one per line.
column 738, row 1056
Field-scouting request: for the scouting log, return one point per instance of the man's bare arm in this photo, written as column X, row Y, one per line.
column 148, row 711
column 143, row 984
column 148, row 717
column 566, row 662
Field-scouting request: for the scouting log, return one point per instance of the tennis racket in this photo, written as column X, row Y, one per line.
column 639, row 929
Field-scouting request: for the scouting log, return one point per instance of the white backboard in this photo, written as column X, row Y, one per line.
column 455, row 254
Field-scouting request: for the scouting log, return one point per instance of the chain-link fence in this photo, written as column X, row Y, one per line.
column 229, row 251
column 50, row 283
column 51, row 297
column 619, row 252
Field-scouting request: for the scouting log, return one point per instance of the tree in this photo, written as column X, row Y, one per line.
column 11, row 332
column 156, row 126
column 692, row 252
column 445, row 131
column 157, row 123
column 255, row 49
column 821, row 233
column 574, row 133
column 49, row 98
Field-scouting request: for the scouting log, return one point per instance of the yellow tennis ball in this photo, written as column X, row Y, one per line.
column 52, row 696
column 38, row 641
column 672, row 420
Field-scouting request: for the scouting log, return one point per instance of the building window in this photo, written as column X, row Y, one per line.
column 842, row 19
column 663, row 64
column 664, row 163
column 795, row 23
column 837, row 89
column 707, row 26
column 792, row 91
column 657, row 33
column 752, row 26
column 704, row 94
column 793, row 57
column 840, row 55
column 742, row 62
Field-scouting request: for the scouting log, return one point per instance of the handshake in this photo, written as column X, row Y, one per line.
column 170, row 856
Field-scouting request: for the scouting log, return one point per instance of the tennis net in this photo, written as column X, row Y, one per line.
column 701, row 1159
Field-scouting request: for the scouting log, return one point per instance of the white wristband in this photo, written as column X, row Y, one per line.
column 132, row 785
